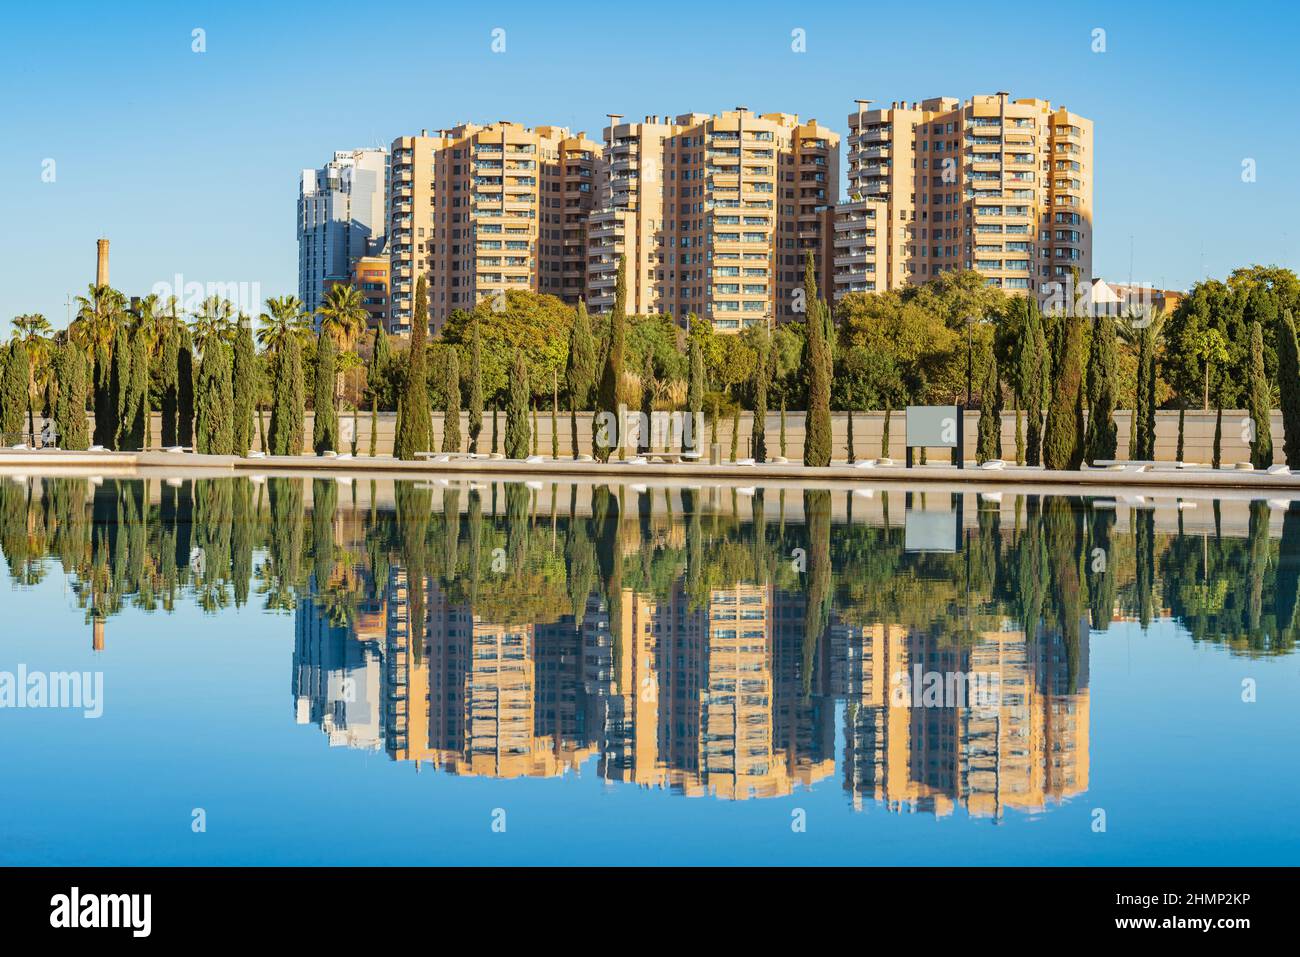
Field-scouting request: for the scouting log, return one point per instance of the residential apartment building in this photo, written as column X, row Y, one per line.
column 994, row 184
column 370, row 276
column 715, row 215
column 341, row 218
column 482, row 210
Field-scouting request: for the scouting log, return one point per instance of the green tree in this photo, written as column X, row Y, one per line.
column 1032, row 379
column 475, row 387
column 647, row 403
column 185, row 390
column 377, row 384
column 1260, row 401
column 695, row 388
column 1288, row 378
column 580, row 369
column 70, row 405
column 989, row 442
column 518, row 430
column 1101, row 437
column 1063, row 440
column 607, row 404
column 214, row 428
column 246, row 385
column 120, row 385
column 451, row 408
column 817, row 427
column 762, row 376
column 13, row 392
column 136, row 412
column 169, row 345
column 325, row 428
column 414, row 416
column 98, row 315
column 343, row 318
column 288, row 399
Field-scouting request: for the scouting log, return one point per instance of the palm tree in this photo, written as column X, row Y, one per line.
column 343, row 318
column 285, row 318
column 98, row 313
column 94, row 330
column 34, row 330
column 215, row 319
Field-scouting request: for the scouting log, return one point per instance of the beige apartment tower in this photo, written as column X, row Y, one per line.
column 993, row 184
column 482, row 210
column 715, row 215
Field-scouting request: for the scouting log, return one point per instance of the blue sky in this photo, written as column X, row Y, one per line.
column 189, row 162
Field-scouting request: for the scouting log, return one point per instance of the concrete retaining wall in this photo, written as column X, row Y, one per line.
column 867, row 431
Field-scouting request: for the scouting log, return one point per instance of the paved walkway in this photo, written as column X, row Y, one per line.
column 650, row 472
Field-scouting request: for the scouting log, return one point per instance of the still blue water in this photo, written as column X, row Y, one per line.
column 630, row 675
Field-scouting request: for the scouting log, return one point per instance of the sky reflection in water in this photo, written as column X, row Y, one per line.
column 832, row 677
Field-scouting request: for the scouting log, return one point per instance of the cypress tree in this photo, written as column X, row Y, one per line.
column 580, row 369
column 496, row 444
column 475, row 387
column 735, row 431
column 817, row 428
column 1149, row 403
column 695, row 386
column 518, row 431
column 555, row 414
column 451, row 409
column 287, row 401
column 415, row 419
column 1259, row 396
column 783, row 430
column 377, row 382
column 607, row 402
column 246, row 388
column 119, row 385
column 214, row 428
column 989, row 443
column 848, row 443
column 70, row 405
column 105, row 403
column 1063, row 442
column 1216, row 453
column 536, row 430
column 1288, row 380
column 1102, row 433
column 758, row 430
column 1144, row 446
column 1032, row 375
column 647, row 402
column 185, row 390
column 168, row 349
column 135, row 423
column 14, row 397
column 325, row 430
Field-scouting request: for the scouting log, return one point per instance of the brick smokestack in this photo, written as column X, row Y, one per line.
column 101, row 262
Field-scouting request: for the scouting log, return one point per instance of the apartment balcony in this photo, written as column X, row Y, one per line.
column 877, row 151
column 852, row 259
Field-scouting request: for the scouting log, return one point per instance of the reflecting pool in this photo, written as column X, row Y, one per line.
column 332, row 671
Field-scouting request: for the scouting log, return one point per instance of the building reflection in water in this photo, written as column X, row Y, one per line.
column 733, row 643
column 700, row 691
